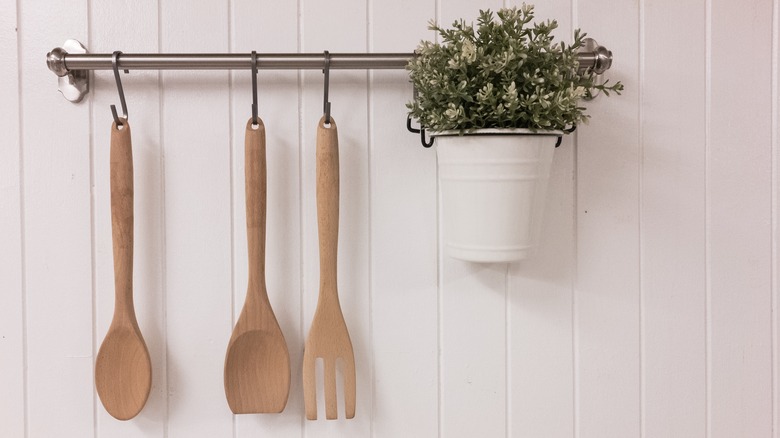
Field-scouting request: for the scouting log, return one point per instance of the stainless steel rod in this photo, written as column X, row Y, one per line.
column 72, row 63
column 227, row 61
column 62, row 63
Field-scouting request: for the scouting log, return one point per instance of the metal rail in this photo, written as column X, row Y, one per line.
column 71, row 62
column 63, row 63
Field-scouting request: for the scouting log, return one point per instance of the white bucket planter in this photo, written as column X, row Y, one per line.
column 493, row 186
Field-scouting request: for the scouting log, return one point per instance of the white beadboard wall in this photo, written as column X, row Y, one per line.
column 650, row 310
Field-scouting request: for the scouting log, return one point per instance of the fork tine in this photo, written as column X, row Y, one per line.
column 309, row 387
column 331, row 403
column 348, row 369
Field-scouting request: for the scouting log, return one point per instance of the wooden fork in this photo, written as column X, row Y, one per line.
column 328, row 336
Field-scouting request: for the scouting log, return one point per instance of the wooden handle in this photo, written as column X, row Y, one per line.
column 328, row 202
column 122, row 218
column 255, row 175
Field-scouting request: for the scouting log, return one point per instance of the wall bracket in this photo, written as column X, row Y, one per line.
column 73, row 84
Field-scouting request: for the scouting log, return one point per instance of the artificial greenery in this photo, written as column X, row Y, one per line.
column 506, row 73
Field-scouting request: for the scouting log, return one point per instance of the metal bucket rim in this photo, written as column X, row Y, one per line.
column 495, row 131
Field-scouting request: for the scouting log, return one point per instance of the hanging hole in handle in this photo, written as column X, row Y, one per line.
column 254, row 121
column 118, row 121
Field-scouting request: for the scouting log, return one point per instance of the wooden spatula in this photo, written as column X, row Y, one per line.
column 257, row 363
column 123, row 370
column 328, row 336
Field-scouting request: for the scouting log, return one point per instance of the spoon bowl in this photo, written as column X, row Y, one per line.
column 257, row 369
column 123, row 372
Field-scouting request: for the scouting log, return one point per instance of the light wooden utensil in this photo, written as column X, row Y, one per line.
column 257, row 363
column 328, row 336
column 123, row 370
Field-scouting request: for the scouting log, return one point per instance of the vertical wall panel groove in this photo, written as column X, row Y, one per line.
column 575, row 341
column 92, row 232
column 22, row 229
column 369, row 149
column 641, row 80
column 439, row 283
column 371, row 258
column 507, row 352
column 163, row 226
column 301, row 225
column 707, row 216
column 236, row 298
column 775, row 194
column 237, row 295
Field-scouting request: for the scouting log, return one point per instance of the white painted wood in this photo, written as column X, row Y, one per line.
column 58, row 265
column 672, row 236
column 348, row 95
column 133, row 28
column 561, row 345
column 739, row 221
column 270, row 27
column 540, row 297
column 607, row 297
column 473, row 364
column 472, row 312
column 775, row 218
column 12, row 409
column 58, row 262
column 404, row 283
column 197, row 174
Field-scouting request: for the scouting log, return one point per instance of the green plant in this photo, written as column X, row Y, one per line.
column 505, row 74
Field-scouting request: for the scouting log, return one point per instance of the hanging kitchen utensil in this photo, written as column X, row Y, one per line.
column 123, row 370
column 328, row 336
column 257, row 363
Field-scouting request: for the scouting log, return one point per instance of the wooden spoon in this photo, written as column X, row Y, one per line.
column 123, row 370
column 257, row 363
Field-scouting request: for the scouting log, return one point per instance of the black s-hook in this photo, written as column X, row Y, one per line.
column 254, row 87
column 115, row 67
column 325, row 102
column 421, row 131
